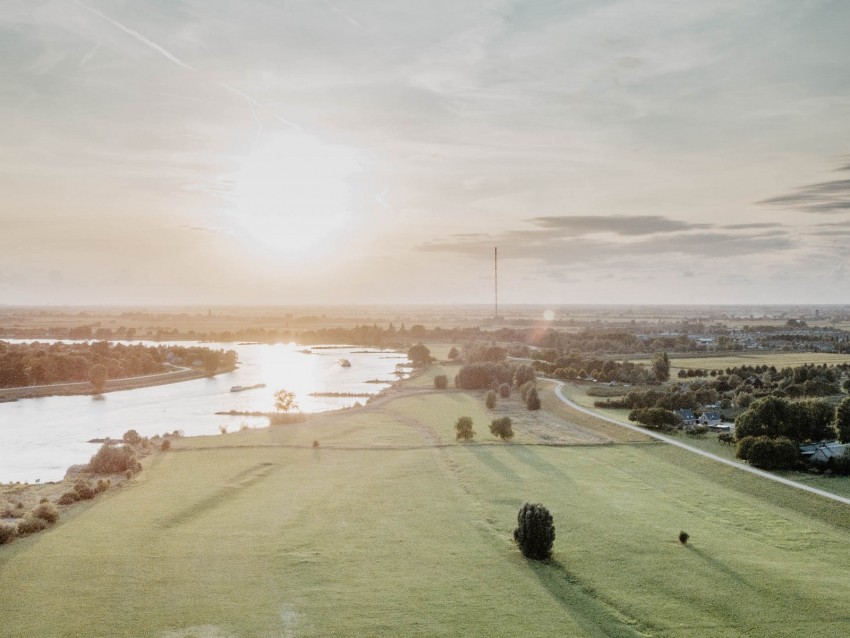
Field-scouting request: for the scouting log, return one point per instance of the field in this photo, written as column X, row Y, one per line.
column 389, row 527
column 780, row 360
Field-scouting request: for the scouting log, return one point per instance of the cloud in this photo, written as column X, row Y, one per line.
column 560, row 241
column 823, row 197
column 617, row 224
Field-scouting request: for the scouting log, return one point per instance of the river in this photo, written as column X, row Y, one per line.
column 40, row 438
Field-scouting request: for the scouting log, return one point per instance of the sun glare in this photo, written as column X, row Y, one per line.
column 292, row 193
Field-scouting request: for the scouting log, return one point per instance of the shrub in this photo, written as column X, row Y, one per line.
column 504, row 390
column 165, row 445
column 490, row 401
column 656, row 418
column 532, row 401
column 128, row 474
column 441, row 382
column 726, row 438
column 773, row 454
column 30, row 524
column 8, row 531
column 742, row 448
column 102, row 485
column 502, row 428
column 535, row 531
column 132, row 437
column 46, row 511
column 453, row 353
column 84, row 490
column 683, row 538
column 524, row 389
column 698, row 431
column 112, row 459
column 315, row 443
column 69, row 497
column 464, row 429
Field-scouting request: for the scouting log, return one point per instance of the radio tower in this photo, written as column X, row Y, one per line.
column 495, row 284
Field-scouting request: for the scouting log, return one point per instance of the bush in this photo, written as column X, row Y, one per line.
column 464, row 429
column 84, row 490
column 773, row 454
column 132, row 437
column 490, row 401
column 727, row 438
column 47, row 512
column 8, row 531
column 30, row 524
column 165, row 445
column 453, row 353
column 535, row 532
column 441, row 382
column 504, row 390
column 502, row 428
column 111, row 459
column 69, row 497
column 524, row 389
column 742, row 448
column 683, row 537
column 656, row 418
column 698, row 431
column 532, row 401
column 315, row 443
column 102, row 485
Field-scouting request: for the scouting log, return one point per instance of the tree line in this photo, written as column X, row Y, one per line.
column 37, row 363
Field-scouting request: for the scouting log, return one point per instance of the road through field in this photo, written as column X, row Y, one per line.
column 714, row 457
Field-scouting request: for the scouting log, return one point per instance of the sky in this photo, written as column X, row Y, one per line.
column 365, row 151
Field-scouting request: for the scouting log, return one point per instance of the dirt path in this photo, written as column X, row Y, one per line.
column 708, row 455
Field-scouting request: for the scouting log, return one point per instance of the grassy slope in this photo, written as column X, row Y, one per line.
column 234, row 537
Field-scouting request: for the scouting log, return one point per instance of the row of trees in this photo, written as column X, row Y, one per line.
column 501, row 428
column 799, row 421
column 36, row 363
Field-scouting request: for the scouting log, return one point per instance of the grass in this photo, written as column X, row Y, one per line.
column 238, row 535
column 780, row 360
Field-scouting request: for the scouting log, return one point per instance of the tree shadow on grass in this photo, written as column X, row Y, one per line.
column 530, row 456
column 721, row 566
column 592, row 615
column 487, row 457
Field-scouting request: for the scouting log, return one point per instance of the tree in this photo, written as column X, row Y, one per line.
column 464, row 429
column 524, row 373
column 453, row 353
column 212, row 360
column 535, row 531
column 490, row 401
column 504, row 391
column 419, row 355
column 441, row 382
column 97, row 377
column 842, row 421
column 285, row 401
column 661, row 366
column 532, row 400
column 656, row 418
column 502, row 428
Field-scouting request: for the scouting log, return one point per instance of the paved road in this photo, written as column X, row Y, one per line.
column 709, row 455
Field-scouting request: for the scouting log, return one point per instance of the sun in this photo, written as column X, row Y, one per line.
column 292, row 193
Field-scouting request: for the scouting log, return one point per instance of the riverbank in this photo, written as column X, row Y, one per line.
column 112, row 385
column 376, row 521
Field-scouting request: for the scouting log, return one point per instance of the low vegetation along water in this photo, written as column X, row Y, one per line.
column 41, row 438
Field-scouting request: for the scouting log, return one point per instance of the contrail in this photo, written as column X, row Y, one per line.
column 138, row 36
column 173, row 58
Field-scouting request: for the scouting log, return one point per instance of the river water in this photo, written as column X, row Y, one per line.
column 41, row 438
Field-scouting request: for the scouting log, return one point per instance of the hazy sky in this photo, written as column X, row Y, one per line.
column 344, row 151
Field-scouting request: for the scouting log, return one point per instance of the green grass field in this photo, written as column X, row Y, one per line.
column 379, row 532
column 780, row 360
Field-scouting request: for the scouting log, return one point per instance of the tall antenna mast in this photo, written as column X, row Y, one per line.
column 496, row 284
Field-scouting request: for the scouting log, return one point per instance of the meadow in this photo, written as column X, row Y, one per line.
column 390, row 527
